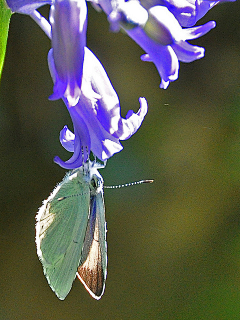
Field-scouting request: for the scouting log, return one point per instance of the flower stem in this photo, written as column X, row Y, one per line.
column 42, row 22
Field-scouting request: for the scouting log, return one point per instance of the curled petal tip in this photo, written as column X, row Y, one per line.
column 164, row 84
column 57, row 160
column 201, row 52
column 145, row 57
column 67, row 139
column 68, row 164
column 212, row 24
column 143, row 106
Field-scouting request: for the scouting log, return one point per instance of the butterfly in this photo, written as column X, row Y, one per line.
column 71, row 233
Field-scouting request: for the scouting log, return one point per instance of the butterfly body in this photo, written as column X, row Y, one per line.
column 71, row 233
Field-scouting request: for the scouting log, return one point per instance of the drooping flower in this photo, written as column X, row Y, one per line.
column 68, row 20
column 162, row 38
column 98, row 125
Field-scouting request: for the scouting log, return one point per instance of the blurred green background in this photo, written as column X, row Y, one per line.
column 174, row 245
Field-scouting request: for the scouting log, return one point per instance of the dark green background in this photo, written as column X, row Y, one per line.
column 174, row 245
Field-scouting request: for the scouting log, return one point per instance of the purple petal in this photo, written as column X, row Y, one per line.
column 69, row 21
column 163, row 57
column 196, row 32
column 188, row 12
column 107, row 107
column 103, row 144
column 202, row 7
column 187, row 52
column 59, row 87
column 162, row 26
column 67, row 139
column 26, row 6
column 128, row 126
column 82, row 142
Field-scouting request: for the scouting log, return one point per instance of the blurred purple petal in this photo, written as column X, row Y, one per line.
column 187, row 12
column 26, row 6
column 165, row 57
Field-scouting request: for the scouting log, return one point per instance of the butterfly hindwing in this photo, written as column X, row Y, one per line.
column 92, row 271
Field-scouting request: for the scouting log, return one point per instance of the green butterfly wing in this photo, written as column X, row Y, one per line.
column 60, row 231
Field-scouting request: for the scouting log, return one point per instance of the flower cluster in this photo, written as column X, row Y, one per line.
column 161, row 28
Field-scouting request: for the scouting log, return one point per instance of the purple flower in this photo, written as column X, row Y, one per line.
column 164, row 40
column 187, row 12
column 68, row 19
column 98, row 125
column 92, row 102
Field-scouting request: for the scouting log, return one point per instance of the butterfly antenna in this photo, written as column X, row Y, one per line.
column 129, row 184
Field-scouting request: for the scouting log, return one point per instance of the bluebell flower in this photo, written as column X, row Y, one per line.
column 161, row 37
column 98, row 125
column 187, row 12
column 95, row 110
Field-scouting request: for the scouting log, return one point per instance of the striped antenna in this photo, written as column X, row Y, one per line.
column 129, row 184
